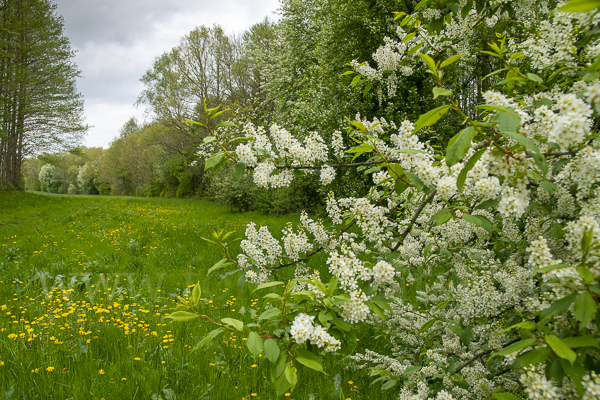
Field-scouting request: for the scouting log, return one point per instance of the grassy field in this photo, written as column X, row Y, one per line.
column 86, row 282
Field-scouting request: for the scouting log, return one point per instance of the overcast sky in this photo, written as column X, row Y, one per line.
column 117, row 41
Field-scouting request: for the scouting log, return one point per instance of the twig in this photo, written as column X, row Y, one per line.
column 329, row 165
column 481, row 354
column 414, row 219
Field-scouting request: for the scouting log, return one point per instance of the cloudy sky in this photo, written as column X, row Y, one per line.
column 117, row 40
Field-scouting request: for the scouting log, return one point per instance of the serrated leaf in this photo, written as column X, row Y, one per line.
column 560, row 348
column 507, row 122
column 236, row 323
column 585, row 308
column 431, row 117
column 182, row 316
column 271, row 350
column 459, row 148
column 462, row 176
column 415, row 180
column 240, row 168
column 254, row 344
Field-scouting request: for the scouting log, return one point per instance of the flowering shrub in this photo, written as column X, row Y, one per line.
column 504, row 224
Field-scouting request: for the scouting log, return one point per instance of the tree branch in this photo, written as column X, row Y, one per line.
column 414, row 219
column 330, row 165
column 481, row 354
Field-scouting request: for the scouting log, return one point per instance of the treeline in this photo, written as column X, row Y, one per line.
column 291, row 73
column 40, row 108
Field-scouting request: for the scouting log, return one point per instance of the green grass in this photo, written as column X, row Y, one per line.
column 86, row 283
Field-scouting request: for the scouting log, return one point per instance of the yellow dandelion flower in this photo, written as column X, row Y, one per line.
column 101, row 372
column 50, row 369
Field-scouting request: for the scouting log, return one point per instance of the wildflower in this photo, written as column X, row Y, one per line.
column 101, row 372
column 50, row 369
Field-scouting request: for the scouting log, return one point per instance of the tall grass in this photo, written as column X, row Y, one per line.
column 86, row 283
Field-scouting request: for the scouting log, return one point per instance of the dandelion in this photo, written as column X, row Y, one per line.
column 101, row 372
column 253, row 366
column 136, row 359
column 50, row 369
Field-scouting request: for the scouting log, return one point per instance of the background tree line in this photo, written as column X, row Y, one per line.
column 289, row 72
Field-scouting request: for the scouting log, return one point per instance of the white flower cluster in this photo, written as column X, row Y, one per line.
column 383, row 273
column 303, row 330
column 355, row 310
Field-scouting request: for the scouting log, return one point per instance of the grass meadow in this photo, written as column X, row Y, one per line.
column 86, row 283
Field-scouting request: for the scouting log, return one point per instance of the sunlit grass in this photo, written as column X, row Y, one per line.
column 86, row 283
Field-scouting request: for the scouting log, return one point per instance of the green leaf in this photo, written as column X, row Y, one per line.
column 560, row 348
column 429, row 61
column 466, row 336
column 389, row 384
column 586, row 240
column 576, row 342
column 466, row 9
column 196, row 294
column 209, row 139
column 462, row 176
column 525, row 141
column 282, row 385
column 586, row 275
column 207, row 339
column 414, row 179
column 240, row 168
column 236, row 323
column 268, row 285
column 552, row 268
column 400, row 187
column 581, row 5
column 271, row 350
column 493, row 203
column 438, row 91
column 459, row 148
column 450, row 60
column 254, row 344
column 480, row 221
column 309, row 359
column 535, row 78
column 220, row 264
column 291, row 375
column 226, row 123
column 505, row 396
column 558, row 306
column 431, row 117
column 576, row 372
column 213, row 160
column 409, row 36
column 534, row 356
column 585, row 308
column 520, row 345
column 548, row 187
column 493, row 107
column 182, row 316
column 507, row 122
column 558, row 165
column 270, row 314
column 375, row 308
